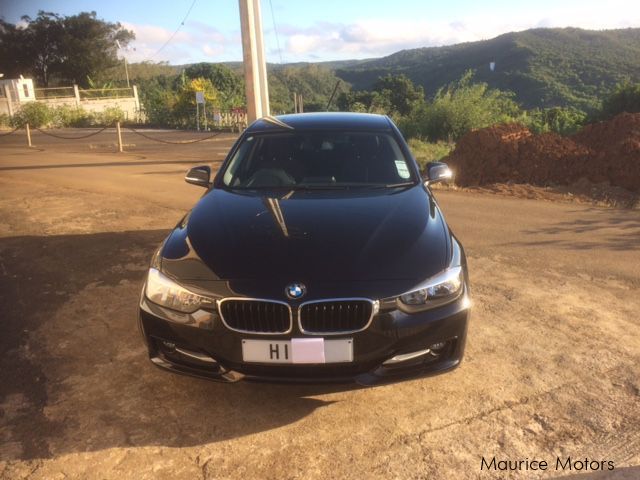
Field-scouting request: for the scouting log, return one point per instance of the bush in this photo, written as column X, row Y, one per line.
column 625, row 98
column 36, row 114
column 425, row 152
column 109, row 116
column 393, row 95
column 399, row 93
column 66, row 116
column 461, row 107
column 5, row 120
column 158, row 107
column 184, row 110
column 562, row 120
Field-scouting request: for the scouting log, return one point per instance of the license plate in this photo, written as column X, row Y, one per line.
column 298, row 351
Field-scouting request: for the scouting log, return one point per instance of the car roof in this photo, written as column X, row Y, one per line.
column 321, row 121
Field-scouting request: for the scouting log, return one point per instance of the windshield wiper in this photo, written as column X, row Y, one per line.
column 329, row 186
column 271, row 187
column 319, row 187
column 350, row 186
column 403, row 184
column 393, row 185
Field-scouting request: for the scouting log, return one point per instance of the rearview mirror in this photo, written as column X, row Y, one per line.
column 200, row 176
column 438, row 172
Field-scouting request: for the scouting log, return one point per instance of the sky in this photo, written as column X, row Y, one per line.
column 304, row 30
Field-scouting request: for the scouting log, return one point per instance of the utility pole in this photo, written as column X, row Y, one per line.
column 126, row 72
column 255, row 67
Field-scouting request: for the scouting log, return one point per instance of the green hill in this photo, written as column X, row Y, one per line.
column 544, row 67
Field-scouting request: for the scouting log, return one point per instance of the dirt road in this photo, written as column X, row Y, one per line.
column 552, row 366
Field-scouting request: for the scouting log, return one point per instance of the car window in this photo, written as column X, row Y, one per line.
column 317, row 159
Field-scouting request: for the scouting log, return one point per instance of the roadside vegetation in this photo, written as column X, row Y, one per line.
column 433, row 121
column 544, row 67
column 426, row 152
column 433, row 126
column 54, row 48
column 38, row 115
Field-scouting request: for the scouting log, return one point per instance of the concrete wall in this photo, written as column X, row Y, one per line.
column 130, row 106
column 16, row 92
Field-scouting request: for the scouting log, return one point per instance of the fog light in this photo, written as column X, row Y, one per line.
column 406, row 356
column 195, row 355
column 437, row 346
column 169, row 345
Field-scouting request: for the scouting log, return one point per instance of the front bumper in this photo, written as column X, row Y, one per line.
column 200, row 345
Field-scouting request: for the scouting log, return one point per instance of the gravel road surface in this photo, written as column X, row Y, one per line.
column 552, row 366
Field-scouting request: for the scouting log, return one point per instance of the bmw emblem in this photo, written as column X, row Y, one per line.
column 295, row 291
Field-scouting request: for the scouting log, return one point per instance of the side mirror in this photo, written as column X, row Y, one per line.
column 438, row 172
column 200, row 176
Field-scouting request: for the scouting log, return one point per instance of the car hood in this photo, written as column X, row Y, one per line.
column 324, row 237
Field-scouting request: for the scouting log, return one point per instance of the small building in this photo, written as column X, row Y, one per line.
column 15, row 91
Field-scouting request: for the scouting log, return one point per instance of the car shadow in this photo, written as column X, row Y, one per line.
column 609, row 229
column 74, row 374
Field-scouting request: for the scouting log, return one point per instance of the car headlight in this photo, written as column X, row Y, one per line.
column 439, row 290
column 162, row 290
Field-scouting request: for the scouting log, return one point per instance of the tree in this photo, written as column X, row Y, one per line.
column 400, row 93
column 188, row 93
column 13, row 60
column 625, row 98
column 394, row 95
column 35, row 50
column 229, row 84
column 158, row 100
column 315, row 83
column 562, row 120
column 89, row 46
column 458, row 108
column 62, row 48
column 185, row 108
column 363, row 99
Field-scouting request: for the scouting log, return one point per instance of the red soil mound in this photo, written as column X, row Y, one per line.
column 603, row 152
column 615, row 149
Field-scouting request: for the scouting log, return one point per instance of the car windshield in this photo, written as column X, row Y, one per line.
column 322, row 160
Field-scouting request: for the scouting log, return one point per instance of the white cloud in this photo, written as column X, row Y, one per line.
column 372, row 37
column 212, row 51
column 376, row 37
column 194, row 42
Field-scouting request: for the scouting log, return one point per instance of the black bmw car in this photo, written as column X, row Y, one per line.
column 318, row 253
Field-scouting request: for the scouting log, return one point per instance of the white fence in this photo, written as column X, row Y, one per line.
column 92, row 100
column 97, row 100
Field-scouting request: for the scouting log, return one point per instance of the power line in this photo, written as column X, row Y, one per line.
column 273, row 19
column 177, row 30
